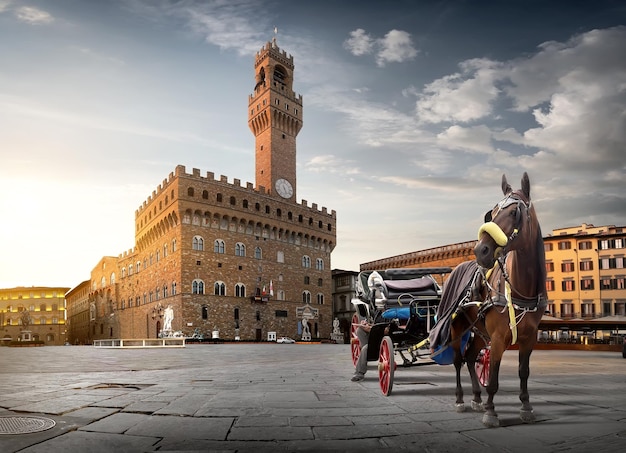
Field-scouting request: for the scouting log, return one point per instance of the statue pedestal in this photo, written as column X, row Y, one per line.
column 26, row 335
column 337, row 337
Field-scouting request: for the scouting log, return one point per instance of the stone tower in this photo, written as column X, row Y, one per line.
column 275, row 118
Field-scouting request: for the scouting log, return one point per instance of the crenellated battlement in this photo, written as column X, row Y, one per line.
column 277, row 54
column 209, row 178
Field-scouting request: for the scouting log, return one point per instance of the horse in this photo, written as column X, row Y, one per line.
column 511, row 299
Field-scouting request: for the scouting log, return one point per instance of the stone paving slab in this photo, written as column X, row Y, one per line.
column 266, row 397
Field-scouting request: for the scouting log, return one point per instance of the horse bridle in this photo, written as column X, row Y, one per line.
column 494, row 230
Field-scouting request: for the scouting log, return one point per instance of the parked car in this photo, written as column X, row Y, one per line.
column 285, row 340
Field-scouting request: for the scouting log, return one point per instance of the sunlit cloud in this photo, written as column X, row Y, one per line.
column 33, row 16
column 395, row 47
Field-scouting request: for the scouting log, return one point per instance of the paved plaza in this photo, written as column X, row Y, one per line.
column 285, row 397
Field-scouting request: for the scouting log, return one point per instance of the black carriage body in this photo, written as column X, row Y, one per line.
column 401, row 304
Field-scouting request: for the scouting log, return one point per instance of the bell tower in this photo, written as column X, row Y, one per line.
column 275, row 118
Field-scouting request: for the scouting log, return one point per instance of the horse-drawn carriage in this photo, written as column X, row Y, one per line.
column 485, row 307
column 400, row 306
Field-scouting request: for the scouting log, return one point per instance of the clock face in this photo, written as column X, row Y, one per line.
column 284, row 188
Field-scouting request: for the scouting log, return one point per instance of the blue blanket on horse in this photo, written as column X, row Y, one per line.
column 456, row 289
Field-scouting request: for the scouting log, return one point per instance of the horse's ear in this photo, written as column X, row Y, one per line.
column 506, row 188
column 526, row 186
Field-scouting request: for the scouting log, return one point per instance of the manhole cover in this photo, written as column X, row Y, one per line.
column 24, row 425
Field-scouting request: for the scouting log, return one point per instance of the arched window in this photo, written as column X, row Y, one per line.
column 123, row 272
column 165, row 291
column 173, row 245
column 218, row 246
column 190, row 191
column 197, row 287
column 306, row 261
column 205, row 194
column 320, row 299
column 306, row 297
column 103, row 282
column 258, row 253
column 240, row 290
column 173, row 288
column 319, row 264
column 280, row 295
column 219, row 289
column 240, row 249
column 197, row 243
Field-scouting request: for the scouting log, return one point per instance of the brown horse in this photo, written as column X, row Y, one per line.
column 512, row 298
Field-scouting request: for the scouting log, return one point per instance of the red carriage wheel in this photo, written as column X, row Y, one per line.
column 386, row 366
column 355, row 344
column 482, row 366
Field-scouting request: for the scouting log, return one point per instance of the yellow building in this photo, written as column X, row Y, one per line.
column 37, row 310
column 586, row 276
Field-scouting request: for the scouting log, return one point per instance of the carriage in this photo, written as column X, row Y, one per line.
column 401, row 307
column 485, row 307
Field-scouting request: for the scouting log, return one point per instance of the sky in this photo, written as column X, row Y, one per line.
column 413, row 110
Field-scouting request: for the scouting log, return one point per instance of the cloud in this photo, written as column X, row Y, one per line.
column 461, row 97
column 359, row 43
column 33, row 16
column 395, row 47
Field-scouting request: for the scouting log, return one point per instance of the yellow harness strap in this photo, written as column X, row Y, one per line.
column 509, row 303
column 493, row 230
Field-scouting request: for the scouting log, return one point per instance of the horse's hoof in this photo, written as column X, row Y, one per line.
column 527, row 416
column 459, row 407
column 491, row 421
column 478, row 406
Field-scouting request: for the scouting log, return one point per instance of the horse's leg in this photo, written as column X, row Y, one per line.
column 458, row 364
column 498, row 347
column 470, row 356
column 526, row 413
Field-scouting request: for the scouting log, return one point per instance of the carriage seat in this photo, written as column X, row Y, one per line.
column 422, row 286
column 401, row 313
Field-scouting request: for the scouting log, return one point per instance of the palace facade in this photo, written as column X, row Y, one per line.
column 38, row 311
column 231, row 261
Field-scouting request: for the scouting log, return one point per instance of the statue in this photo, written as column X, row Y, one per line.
column 168, row 317
column 306, row 333
column 336, row 329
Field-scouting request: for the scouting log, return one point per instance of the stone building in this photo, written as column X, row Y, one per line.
column 230, row 260
column 78, row 314
column 37, row 310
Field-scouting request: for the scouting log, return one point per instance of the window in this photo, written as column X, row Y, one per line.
column 240, row 249
column 197, row 287
column 549, row 285
column 173, row 245
column 205, row 312
column 258, row 254
column 240, row 290
column 173, row 288
column 585, row 245
column 586, row 284
column 233, row 201
column 549, row 266
column 197, row 243
column 568, row 285
column 319, row 264
column 280, row 257
column 320, row 299
column 307, row 280
column 306, row 261
column 190, row 191
column 547, row 246
column 586, row 265
column 306, row 297
column 567, row 267
column 219, row 289
column 565, row 245
column 280, row 295
column 205, row 194
column 165, row 291
column 218, row 246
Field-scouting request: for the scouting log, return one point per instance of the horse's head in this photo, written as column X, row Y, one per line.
column 504, row 224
